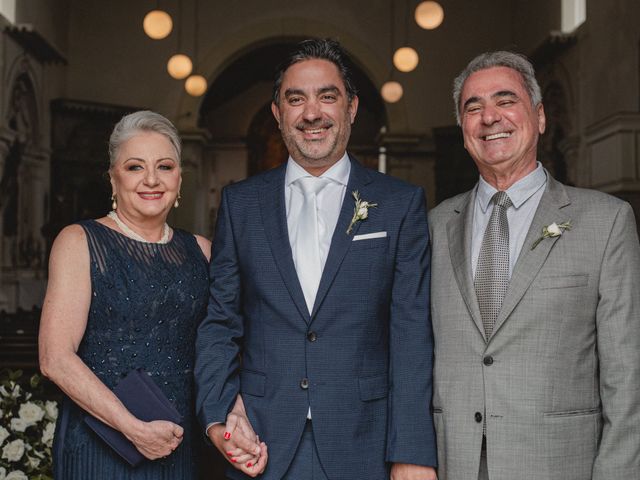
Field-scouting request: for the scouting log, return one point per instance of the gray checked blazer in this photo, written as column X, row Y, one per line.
column 558, row 382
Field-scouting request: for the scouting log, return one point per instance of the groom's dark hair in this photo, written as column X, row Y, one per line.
column 321, row 49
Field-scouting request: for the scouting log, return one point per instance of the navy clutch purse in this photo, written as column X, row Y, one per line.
column 144, row 399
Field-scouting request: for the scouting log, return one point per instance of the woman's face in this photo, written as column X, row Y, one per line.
column 146, row 176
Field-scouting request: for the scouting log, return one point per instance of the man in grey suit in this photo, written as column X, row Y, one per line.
column 535, row 303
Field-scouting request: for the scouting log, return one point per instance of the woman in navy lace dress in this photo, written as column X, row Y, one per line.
column 126, row 291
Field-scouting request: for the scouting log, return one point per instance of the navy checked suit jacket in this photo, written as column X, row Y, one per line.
column 369, row 368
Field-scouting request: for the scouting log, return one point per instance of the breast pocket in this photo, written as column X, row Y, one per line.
column 564, row 281
column 369, row 243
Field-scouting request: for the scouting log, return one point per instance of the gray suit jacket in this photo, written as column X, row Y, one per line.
column 558, row 382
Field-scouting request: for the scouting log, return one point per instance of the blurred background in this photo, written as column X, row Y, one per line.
column 71, row 68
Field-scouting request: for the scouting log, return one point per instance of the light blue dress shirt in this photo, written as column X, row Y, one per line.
column 525, row 195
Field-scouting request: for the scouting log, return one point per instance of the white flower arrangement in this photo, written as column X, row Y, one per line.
column 27, row 425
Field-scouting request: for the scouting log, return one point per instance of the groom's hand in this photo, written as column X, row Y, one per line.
column 242, row 453
column 405, row 471
column 238, row 442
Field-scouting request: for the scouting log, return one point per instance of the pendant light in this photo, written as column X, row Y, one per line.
column 157, row 24
column 391, row 91
column 429, row 15
column 179, row 65
column 196, row 84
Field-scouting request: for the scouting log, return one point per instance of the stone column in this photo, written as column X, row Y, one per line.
column 191, row 214
column 613, row 157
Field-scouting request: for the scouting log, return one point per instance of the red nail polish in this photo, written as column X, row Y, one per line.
column 229, row 453
column 227, row 435
column 233, row 460
column 249, row 464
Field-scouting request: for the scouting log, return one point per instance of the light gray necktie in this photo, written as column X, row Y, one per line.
column 492, row 272
column 307, row 248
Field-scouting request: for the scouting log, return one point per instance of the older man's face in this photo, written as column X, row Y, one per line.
column 499, row 124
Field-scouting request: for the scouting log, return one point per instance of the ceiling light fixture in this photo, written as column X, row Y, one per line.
column 157, row 24
column 195, row 85
column 429, row 15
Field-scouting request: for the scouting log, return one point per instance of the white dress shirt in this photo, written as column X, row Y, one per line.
column 329, row 201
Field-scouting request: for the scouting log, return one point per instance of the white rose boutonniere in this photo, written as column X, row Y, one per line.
column 360, row 211
column 553, row 230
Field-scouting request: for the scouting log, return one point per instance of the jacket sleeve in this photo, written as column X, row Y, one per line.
column 219, row 334
column 410, row 435
column 618, row 326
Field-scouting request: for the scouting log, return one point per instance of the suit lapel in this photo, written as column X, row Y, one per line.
column 530, row 261
column 274, row 217
column 459, row 231
column 340, row 242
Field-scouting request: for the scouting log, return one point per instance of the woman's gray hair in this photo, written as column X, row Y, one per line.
column 142, row 121
column 515, row 61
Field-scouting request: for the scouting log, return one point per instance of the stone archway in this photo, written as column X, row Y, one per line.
column 20, row 179
column 237, row 108
column 554, row 143
column 220, row 124
column 24, row 196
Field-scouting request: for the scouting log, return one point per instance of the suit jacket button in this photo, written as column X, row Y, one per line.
column 478, row 417
column 488, row 360
column 304, row 383
column 312, row 336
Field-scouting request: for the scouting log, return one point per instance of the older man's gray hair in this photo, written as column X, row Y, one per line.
column 501, row 58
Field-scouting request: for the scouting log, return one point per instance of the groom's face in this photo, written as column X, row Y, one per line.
column 314, row 113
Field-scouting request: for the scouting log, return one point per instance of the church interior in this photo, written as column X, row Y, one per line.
column 72, row 68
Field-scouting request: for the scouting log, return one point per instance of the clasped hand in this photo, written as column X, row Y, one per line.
column 238, row 443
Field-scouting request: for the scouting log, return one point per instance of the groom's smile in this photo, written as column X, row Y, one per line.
column 315, row 114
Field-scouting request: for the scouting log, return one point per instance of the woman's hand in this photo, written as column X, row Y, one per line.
column 155, row 439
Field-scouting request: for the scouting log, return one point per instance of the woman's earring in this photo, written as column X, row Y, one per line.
column 114, row 201
column 176, row 204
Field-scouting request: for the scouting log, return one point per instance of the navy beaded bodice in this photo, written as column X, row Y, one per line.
column 147, row 302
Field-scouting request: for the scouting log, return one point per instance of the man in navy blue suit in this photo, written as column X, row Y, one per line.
column 318, row 334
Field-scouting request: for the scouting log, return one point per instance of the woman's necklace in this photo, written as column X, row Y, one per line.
column 133, row 235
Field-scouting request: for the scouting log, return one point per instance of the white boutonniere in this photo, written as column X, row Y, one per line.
column 361, row 210
column 553, row 230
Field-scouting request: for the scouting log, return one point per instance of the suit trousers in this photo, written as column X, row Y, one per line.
column 306, row 464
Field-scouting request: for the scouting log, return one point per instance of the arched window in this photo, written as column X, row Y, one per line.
column 574, row 13
column 8, row 10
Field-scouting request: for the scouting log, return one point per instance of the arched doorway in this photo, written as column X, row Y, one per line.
column 236, row 109
column 24, row 197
